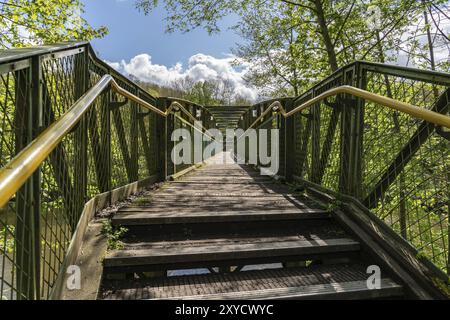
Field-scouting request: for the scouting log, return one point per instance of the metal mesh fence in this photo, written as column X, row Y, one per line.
column 406, row 162
column 397, row 165
column 115, row 143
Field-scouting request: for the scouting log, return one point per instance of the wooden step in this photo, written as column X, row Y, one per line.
column 352, row 290
column 226, row 180
column 318, row 282
column 229, row 174
column 208, row 177
column 171, row 196
column 135, row 216
column 221, row 203
column 224, row 200
column 186, row 188
column 187, row 253
column 212, row 207
column 188, row 183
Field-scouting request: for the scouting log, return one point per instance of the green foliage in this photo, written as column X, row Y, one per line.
column 113, row 235
column 292, row 44
column 210, row 92
column 142, row 201
column 7, row 239
column 334, row 205
column 297, row 188
column 25, row 22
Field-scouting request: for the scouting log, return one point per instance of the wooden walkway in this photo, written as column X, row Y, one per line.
column 255, row 237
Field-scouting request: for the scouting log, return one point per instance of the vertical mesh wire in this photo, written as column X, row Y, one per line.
column 415, row 202
column 14, row 226
column 60, row 197
column 114, row 144
column 405, row 182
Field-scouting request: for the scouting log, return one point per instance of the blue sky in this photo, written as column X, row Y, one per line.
column 132, row 33
column 137, row 45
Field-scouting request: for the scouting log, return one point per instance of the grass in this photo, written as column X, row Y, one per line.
column 113, row 235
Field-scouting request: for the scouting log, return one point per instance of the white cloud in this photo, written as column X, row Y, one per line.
column 200, row 67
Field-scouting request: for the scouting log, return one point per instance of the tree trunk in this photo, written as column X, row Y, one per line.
column 326, row 35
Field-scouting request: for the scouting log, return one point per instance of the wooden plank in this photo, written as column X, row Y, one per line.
column 308, row 231
column 341, row 290
column 173, row 192
column 341, row 281
column 179, row 199
column 206, row 178
column 225, row 189
column 167, row 196
column 199, row 183
column 182, row 254
column 182, row 208
column 226, row 172
column 215, row 202
column 128, row 218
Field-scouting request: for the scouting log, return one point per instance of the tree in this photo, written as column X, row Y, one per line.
column 274, row 49
column 25, row 22
column 204, row 92
column 290, row 44
column 429, row 37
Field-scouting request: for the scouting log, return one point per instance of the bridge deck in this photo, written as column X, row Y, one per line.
column 224, row 218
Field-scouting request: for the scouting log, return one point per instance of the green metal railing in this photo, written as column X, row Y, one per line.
column 117, row 141
column 396, row 164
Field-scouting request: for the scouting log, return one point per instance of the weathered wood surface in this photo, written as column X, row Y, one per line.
column 229, row 216
column 318, row 282
column 174, row 253
column 135, row 217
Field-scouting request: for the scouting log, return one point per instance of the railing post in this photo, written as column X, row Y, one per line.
column 105, row 144
column 192, row 110
column 357, row 154
column 81, row 139
column 346, row 124
column 169, row 126
column 352, row 126
column 261, row 108
column 315, row 141
column 161, row 141
column 28, row 121
column 36, row 126
column 289, row 143
column 134, row 144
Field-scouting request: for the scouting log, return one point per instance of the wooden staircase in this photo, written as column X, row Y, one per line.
column 249, row 236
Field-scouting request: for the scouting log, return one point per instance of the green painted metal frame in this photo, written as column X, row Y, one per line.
column 112, row 136
column 340, row 129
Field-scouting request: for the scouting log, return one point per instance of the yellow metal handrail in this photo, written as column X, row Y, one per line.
column 24, row 164
column 417, row 112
